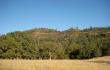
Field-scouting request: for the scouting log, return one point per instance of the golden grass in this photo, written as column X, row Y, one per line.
column 54, row 64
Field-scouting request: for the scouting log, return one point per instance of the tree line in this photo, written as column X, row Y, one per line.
column 53, row 44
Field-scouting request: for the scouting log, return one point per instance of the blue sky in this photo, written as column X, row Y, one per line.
column 18, row 15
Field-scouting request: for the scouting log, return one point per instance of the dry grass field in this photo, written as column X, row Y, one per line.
column 100, row 63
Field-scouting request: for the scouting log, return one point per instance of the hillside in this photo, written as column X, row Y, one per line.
column 44, row 43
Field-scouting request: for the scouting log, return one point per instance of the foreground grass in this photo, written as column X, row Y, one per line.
column 55, row 64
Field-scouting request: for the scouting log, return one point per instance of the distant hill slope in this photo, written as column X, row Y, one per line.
column 44, row 43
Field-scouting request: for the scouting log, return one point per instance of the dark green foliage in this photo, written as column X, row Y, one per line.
column 51, row 44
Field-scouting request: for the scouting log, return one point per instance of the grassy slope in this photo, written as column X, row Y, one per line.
column 56, row 64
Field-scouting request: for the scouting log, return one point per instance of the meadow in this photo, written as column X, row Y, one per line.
column 100, row 63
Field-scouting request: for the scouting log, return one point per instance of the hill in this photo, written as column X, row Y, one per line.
column 44, row 43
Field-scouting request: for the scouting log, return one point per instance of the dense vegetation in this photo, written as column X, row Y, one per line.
column 46, row 43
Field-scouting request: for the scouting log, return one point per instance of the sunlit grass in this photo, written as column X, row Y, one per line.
column 54, row 64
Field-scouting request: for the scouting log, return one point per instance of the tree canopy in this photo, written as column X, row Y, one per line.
column 46, row 43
